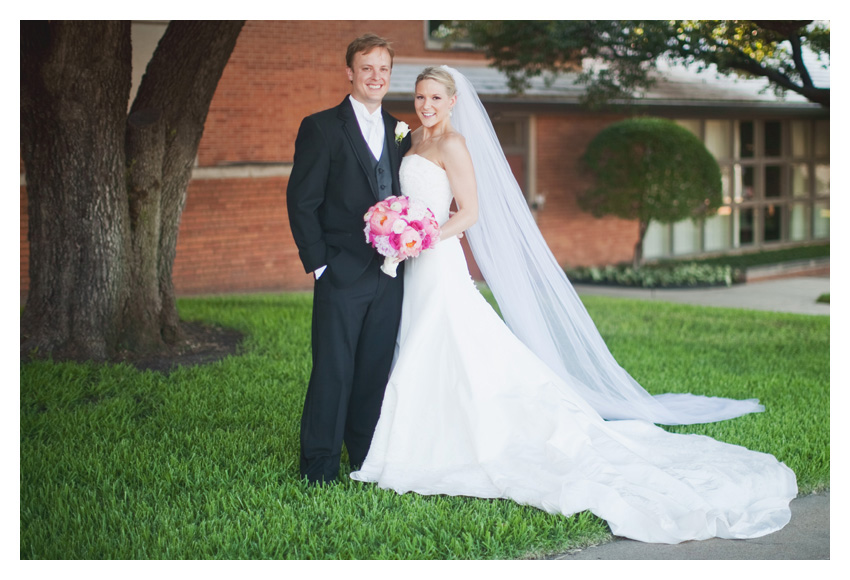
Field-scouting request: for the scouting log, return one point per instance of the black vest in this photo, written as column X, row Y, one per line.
column 383, row 172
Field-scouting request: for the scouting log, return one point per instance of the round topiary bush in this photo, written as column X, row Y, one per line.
column 649, row 169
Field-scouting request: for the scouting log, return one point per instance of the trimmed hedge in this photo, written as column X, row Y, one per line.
column 763, row 257
column 700, row 272
column 686, row 275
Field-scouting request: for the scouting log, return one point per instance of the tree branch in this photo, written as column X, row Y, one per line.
column 745, row 63
column 797, row 55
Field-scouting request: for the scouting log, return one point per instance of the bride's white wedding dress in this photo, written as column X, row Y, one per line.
column 470, row 410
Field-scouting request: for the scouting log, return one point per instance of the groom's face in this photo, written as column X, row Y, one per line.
column 370, row 76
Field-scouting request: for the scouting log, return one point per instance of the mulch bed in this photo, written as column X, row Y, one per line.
column 203, row 344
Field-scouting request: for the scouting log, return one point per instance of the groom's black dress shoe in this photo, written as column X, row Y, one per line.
column 319, row 481
column 321, row 470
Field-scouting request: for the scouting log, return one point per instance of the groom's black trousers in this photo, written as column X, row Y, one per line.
column 354, row 335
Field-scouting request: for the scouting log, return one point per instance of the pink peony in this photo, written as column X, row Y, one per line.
column 384, row 246
column 411, row 243
column 381, row 221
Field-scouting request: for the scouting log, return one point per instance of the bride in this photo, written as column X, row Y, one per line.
column 538, row 411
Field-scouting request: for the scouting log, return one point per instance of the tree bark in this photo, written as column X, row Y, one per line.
column 165, row 127
column 75, row 82
column 637, row 258
column 107, row 189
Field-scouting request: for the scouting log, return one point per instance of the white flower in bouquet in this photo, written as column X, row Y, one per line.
column 399, row 226
column 417, row 210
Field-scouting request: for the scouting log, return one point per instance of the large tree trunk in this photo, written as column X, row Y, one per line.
column 106, row 189
column 75, row 82
column 165, row 127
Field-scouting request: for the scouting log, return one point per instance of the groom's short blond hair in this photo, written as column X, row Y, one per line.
column 365, row 44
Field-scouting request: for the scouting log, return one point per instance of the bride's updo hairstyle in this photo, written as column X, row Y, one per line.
column 440, row 75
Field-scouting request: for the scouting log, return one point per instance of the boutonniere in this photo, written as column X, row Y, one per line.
column 401, row 131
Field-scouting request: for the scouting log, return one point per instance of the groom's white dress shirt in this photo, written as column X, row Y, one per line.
column 371, row 125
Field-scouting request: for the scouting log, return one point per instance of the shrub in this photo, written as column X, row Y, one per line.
column 684, row 275
column 649, row 169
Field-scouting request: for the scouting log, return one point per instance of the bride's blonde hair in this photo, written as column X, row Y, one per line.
column 440, row 75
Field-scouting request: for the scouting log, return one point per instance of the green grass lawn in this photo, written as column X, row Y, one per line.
column 203, row 463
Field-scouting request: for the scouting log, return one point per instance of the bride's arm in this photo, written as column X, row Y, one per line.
column 458, row 165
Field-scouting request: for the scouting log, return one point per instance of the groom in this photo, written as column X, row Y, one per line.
column 346, row 159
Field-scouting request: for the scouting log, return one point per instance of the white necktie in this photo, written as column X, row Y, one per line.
column 374, row 136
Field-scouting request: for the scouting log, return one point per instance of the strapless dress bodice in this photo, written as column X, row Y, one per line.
column 426, row 181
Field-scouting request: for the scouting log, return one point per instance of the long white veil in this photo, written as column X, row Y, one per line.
column 537, row 300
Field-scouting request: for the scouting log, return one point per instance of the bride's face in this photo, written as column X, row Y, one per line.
column 432, row 102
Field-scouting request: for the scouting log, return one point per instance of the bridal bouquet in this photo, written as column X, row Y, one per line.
column 400, row 228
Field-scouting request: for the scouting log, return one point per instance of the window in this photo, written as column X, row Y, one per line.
column 800, row 223
column 772, row 139
column 773, row 181
column 746, row 227
column 776, row 188
column 772, row 223
column 718, row 231
column 821, row 219
column 746, row 139
column 718, row 139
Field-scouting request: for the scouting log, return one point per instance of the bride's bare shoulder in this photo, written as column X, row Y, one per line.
column 452, row 142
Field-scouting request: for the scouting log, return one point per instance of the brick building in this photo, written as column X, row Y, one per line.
column 234, row 235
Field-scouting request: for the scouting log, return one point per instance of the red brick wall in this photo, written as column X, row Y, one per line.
column 576, row 238
column 235, row 237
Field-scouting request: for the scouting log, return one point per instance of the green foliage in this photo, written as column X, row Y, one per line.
column 651, row 169
column 756, row 48
column 623, row 54
column 525, row 49
column 656, row 276
column 203, row 463
column 762, row 257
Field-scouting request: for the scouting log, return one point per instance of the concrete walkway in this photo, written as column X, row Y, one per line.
column 806, row 537
column 797, row 295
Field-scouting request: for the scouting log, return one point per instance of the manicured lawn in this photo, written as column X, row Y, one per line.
column 202, row 463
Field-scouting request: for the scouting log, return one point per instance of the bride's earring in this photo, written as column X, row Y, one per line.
column 451, row 112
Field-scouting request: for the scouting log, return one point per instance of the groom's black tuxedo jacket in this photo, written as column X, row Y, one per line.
column 331, row 187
